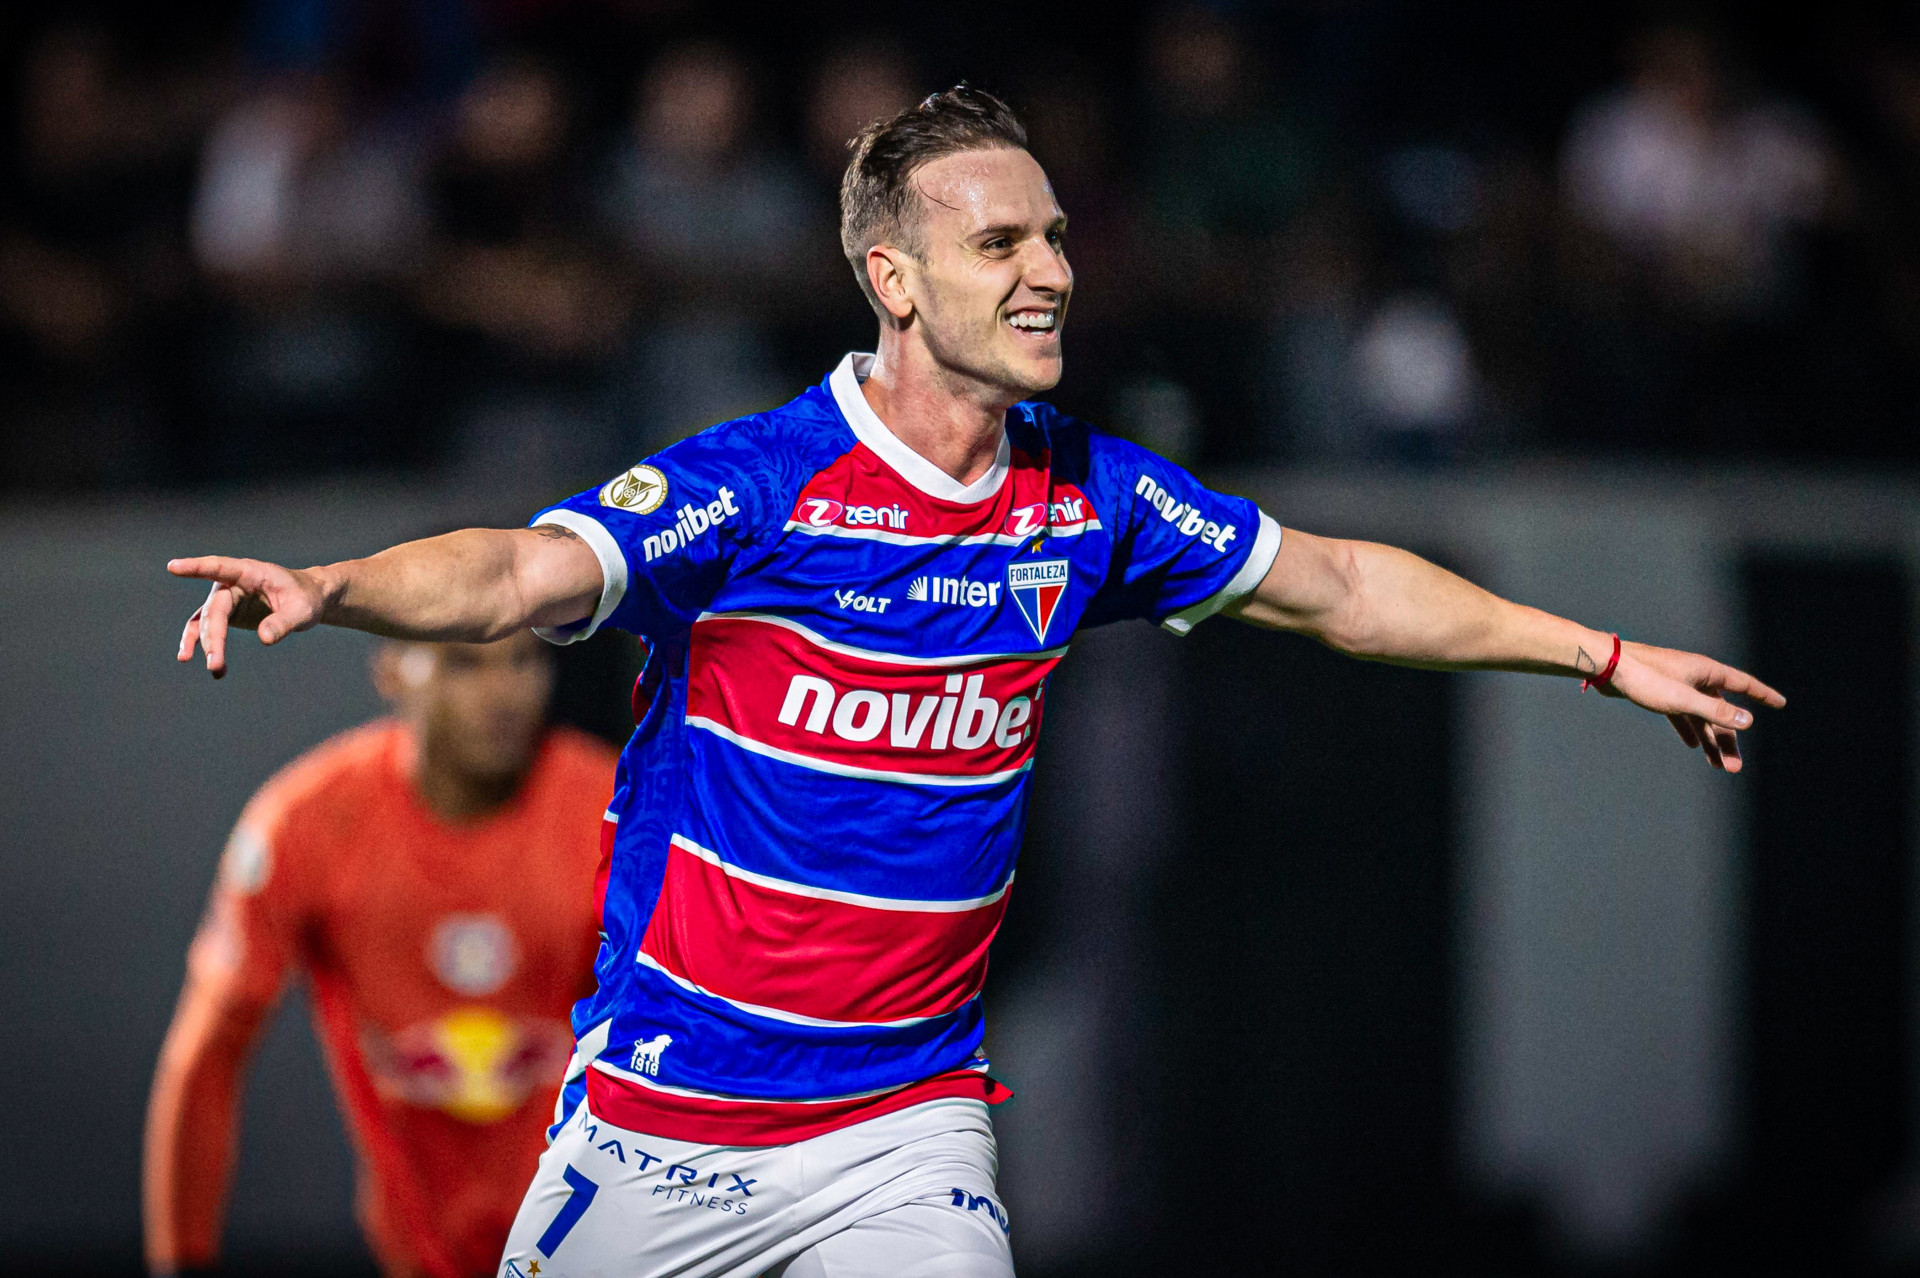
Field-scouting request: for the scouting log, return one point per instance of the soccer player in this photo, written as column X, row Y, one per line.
column 855, row 601
column 432, row 876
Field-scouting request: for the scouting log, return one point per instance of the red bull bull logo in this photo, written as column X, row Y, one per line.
column 474, row 1063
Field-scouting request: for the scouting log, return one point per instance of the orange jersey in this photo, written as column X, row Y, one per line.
column 442, row 958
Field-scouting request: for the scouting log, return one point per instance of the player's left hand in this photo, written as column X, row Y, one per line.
column 1691, row 690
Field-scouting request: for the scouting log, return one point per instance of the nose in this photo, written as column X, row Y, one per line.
column 1045, row 269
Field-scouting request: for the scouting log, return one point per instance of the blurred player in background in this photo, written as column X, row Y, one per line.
column 433, row 876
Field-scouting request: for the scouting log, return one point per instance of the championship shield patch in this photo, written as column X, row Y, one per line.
column 1037, row 586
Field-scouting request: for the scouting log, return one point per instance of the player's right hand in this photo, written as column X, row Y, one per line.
column 250, row 594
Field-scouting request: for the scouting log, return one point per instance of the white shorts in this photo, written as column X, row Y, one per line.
column 905, row 1195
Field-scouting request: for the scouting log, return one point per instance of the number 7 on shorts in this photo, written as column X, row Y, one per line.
column 570, row 1212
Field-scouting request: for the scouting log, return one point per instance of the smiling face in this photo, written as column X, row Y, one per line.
column 985, row 278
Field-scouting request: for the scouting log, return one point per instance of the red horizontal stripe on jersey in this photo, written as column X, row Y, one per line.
column 711, row 1121
column 828, row 960
column 770, row 684
column 859, row 493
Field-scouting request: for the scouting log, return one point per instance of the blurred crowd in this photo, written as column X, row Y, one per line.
column 538, row 239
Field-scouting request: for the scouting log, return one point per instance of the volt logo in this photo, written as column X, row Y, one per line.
column 1037, row 586
column 857, row 602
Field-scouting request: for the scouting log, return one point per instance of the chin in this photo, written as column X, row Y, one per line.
column 1041, row 383
column 498, row 767
column 1035, row 376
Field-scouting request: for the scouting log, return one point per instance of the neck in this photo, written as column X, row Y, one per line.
column 453, row 793
column 952, row 420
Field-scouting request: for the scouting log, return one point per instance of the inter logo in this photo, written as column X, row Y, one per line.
column 954, row 590
column 1037, row 586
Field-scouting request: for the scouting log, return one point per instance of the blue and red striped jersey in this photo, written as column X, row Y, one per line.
column 813, row 831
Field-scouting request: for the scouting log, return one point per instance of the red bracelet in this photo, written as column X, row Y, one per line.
column 1605, row 677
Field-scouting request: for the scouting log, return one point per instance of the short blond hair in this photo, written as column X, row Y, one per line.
column 877, row 199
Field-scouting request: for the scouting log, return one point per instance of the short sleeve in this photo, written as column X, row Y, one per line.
column 1181, row 551
column 668, row 531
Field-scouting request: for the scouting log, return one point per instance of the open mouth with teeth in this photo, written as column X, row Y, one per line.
column 1039, row 323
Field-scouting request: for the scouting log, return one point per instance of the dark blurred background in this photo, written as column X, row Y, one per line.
column 1317, row 966
column 317, row 236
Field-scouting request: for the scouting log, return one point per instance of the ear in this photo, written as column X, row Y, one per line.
column 889, row 270
column 383, row 664
column 400, row 669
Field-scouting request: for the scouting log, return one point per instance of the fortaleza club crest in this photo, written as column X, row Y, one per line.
column 1037, row 586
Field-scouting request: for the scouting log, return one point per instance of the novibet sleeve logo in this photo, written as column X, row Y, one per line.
column 1037, row 586
column 640, row 490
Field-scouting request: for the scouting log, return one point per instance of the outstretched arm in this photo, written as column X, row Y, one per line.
column 472, row 586
column 1384, row 604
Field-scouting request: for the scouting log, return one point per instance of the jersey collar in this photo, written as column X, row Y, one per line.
column 911, row 466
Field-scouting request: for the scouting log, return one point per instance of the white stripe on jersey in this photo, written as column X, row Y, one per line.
column 938, row 539
column 848, row 769
column 641, row 1080
column 831, row 894
column 819, row 640
column 791, row 1018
